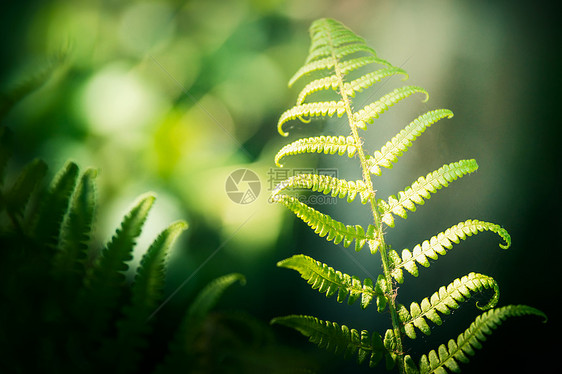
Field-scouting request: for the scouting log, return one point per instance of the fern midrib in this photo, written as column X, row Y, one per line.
column 396, row 324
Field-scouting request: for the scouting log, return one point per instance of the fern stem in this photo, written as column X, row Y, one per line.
column 396, row 324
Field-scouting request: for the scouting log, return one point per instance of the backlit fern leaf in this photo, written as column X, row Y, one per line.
column 446, row 357
column 372, row 111
column 422, row 188
column 338, row 339
column 327, row 185
column 438, row 245
column 324, row 225
column 333, row 282
column 399, row 144
column 444, row 300
column 319, row 144
column 320, row 109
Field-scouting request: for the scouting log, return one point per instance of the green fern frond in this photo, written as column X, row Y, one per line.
column 444, row 300
column 422, row 188
column 327, row 185
column 446, row 357
column 319, row 144
column 439, row 243
column 328, row 63
column 104, row 281
column 208, row 297
column 350, row 88
column 332, row 337
column 400, row 143
column 16, row 197
column 324, row 225
column 180, row 347
column 318, row 109
column 146, row 292
column 332, row 282
column 372, row 111
column 76, row 231
column 55, row 205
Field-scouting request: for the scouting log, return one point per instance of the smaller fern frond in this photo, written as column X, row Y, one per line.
column 324, row 225
column 318, row 144
column 76, row 231
column 438, row 245
column 209, row 296
column 17, row 197
column 336, row 338
column 350, row 88
column 372, row 111
column 444, row 300
column 332, row 282
column 103, row 283
column 55, row 205
column 447, row 356
column 400, row 143
column 317, row 109
column 180, row 351
column 146, row 291
column 422, row 188
column 369, row 79
column 327, row 185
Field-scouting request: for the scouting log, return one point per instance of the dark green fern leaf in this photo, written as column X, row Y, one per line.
column 5, row 150
column 180, row 355
column 146, row 292
column 17, row 197
column 104, row 281
column 69, row 262
column 338, row 339
column 55, row 205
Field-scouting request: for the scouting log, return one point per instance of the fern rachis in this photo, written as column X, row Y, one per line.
column 335, row 52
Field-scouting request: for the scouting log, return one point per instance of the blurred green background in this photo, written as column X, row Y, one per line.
column 173, row 96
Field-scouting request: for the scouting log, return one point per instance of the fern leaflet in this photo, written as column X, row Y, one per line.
column 444, row 300
column 422, row 188
column 447, row 356
column 399, row 144
column 332, row 337
column 438, row 245
column 332, row 282
column 326, row 144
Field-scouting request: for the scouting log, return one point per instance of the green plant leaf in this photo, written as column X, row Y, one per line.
column 146, row 292
column 336, row 338
column 319, row 144
column 55, row 205
column 325, row 184
column 400, row 143
column 372, row 111
column 422, row 188
column 104, row 282
column 446, row 357
column 444, row 300
column 439, row 243
column 17, row 197
column 324, row 225
column 332, row 282
column 76, row 232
